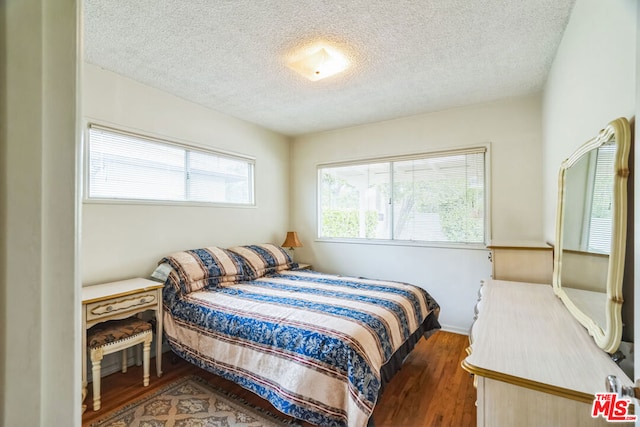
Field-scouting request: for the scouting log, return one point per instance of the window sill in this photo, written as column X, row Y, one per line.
column 166, row 203
column 410, row 243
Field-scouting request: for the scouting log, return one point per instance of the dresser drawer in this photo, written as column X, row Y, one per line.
column 117, row 306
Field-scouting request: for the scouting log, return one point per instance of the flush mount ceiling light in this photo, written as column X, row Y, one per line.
column 319, row 62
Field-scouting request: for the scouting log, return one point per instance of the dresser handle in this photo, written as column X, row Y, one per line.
column 613, row 385
column 109, row 308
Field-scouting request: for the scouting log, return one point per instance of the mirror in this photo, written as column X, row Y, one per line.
column 591, row 226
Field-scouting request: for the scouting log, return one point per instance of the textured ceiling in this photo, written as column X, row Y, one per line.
column 408, row 57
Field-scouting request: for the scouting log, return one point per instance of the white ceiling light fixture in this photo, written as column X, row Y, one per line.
column 319, row 62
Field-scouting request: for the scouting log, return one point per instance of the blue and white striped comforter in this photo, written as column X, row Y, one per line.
column 312, row 344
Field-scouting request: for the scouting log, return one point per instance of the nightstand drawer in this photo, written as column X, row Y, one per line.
column 106, row 308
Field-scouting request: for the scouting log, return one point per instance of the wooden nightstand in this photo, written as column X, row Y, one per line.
column 119, row 300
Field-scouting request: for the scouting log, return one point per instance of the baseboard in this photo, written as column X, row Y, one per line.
column 455, row 329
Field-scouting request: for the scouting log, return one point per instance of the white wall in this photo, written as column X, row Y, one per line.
column 126, row 240
column 592, row 81
column 452, row 276
column 39, row 292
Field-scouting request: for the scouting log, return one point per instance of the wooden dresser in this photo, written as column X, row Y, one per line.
column 535, row 365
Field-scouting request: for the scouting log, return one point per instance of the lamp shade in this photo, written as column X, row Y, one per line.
column 321, row 62
column 291, row 241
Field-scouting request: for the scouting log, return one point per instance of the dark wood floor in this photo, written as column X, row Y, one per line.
column 430, row 390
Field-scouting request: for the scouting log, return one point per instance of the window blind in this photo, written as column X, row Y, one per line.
column 124, row 166
column 601, row 216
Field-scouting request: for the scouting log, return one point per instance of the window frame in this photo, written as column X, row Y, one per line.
column 484, row 148
column 162, row 140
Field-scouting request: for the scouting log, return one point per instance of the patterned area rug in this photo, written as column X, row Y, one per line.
column 191, row 402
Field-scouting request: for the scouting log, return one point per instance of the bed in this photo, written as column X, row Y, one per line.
column 319, row 347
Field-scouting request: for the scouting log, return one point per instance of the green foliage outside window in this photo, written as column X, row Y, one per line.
column 431, row 200
column 346, row 223
column 459, row 208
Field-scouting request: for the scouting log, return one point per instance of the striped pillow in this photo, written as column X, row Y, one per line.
column 199, row 268
column 263, row 259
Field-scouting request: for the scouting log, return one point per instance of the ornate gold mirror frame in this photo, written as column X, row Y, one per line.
column 592, row 288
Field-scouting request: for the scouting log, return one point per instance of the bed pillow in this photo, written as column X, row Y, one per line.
column 206, row 267
column 263, row 259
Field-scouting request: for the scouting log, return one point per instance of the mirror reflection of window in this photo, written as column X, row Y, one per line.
column 601, row 209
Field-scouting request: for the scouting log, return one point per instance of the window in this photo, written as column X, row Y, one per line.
column 124, row 166
column 437, row 198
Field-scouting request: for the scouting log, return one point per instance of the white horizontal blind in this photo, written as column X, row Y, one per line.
column 437, row 197
column 600, row 221
column 440, row 199
column 218, row 179
column 123, row 166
